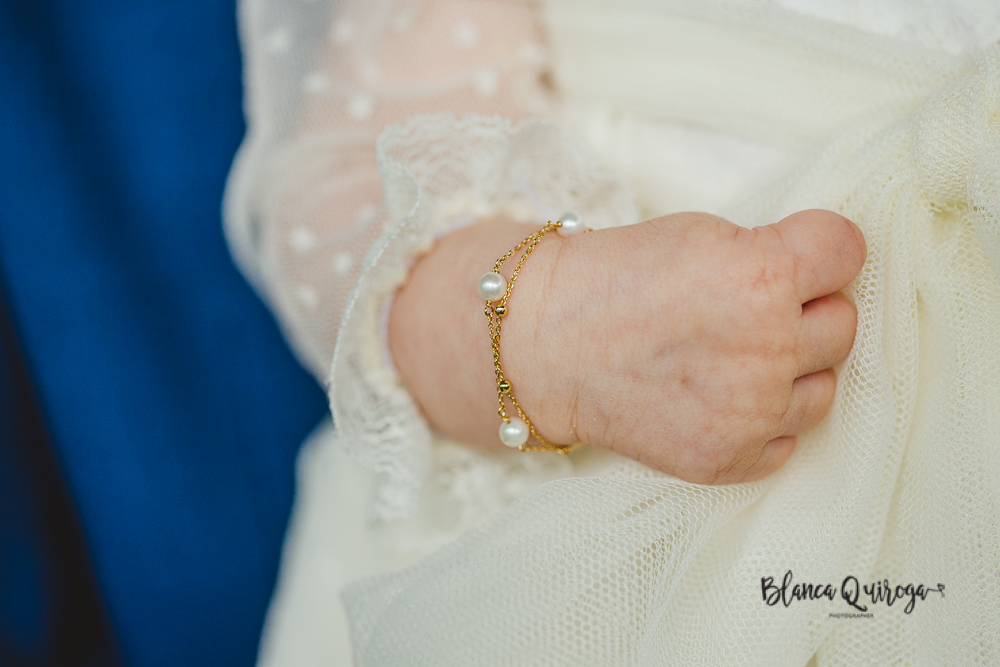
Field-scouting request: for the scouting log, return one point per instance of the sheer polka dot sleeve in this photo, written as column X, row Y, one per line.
column 374, row 128
column 305, row 200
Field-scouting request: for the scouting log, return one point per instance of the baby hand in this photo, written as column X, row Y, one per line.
column 690, row 344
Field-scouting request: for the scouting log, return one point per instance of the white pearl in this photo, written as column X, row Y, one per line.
column 514, row 433
column 571, row 224
column 492, row 286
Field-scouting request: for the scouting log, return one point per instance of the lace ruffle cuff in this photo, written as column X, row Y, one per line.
column 440, row 173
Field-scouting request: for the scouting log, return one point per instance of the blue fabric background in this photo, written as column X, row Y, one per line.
column 171, row 405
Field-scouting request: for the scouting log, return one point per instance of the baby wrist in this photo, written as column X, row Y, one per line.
column 496, row 289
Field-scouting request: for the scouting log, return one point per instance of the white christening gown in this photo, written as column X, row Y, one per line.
column 407, row 549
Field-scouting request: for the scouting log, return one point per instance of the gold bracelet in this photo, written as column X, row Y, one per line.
column 496, row 290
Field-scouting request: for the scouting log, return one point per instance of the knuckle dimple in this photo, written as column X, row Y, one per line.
column 767, row 281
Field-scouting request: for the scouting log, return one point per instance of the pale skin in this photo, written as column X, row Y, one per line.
column 694, row 346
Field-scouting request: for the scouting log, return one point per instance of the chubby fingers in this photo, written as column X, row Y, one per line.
column 827, row 251
column 811, row 398
column 826, row 333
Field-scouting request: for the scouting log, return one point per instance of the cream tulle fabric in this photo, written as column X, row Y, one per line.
column 884, row 111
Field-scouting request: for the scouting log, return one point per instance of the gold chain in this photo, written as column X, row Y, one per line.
column 495, row 311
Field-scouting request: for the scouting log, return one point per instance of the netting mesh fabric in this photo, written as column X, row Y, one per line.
column 900, row 483
column 630, row 567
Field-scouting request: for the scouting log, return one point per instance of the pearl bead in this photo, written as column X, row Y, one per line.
column 492, row 286
column 571, row 224
column 514, row 433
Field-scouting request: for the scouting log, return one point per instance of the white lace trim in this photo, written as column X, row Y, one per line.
column 437, row 170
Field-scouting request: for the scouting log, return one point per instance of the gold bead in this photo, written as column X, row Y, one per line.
column 501, row 310
column 504, row 386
